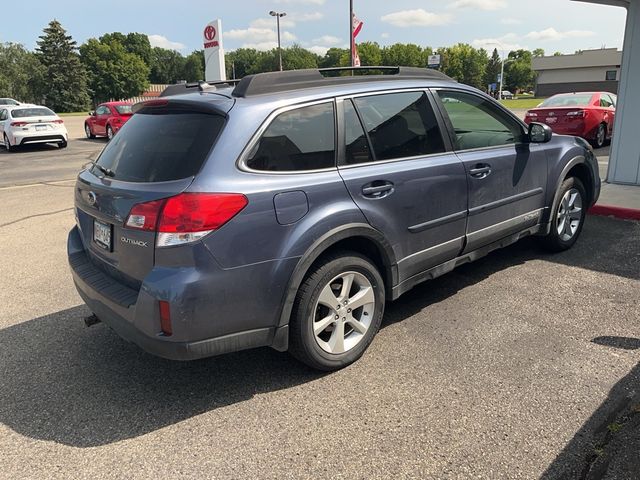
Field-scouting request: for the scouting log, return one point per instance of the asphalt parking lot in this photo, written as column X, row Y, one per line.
column 505, row 368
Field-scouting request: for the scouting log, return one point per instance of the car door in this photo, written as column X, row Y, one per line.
column 506, row 175
column 3, row 118
column 100, row 125
column 608, row 104
column 395, row 164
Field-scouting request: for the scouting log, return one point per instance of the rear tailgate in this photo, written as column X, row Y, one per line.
column 155, row 155
column 555, row 115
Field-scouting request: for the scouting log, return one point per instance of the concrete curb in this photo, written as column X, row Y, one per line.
column 618, row 212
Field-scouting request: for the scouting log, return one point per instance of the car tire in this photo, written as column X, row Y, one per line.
column 109, row 132
column 7, row 145
column 62, row 145
column 567, row 216
column 88, row 132
column 348, row 279
column 601, row 136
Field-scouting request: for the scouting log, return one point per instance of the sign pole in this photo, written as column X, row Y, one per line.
column 351, row 30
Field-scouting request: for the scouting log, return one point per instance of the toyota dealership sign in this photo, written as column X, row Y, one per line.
column 213, row 52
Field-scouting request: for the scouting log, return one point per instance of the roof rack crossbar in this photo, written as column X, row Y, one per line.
column 271, row 82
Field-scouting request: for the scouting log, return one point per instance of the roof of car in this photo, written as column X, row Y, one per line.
column 115, row 104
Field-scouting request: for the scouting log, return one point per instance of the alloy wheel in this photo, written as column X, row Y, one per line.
column 343, row 312
column 569, row 214
column 109, row 133
column 602, row 133
column 87, row 131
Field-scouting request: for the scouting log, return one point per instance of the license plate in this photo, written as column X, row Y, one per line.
column 102, row 234
column 40, row 127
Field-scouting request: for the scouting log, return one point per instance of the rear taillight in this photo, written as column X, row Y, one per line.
column 577, row 114
column 532, row 115
column 19, row 124
column 58, row 121
column 186, row 217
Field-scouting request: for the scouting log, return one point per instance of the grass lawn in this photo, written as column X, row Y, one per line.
column 522, row 103
column 73, row 114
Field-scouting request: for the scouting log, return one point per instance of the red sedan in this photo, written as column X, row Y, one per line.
column 107, row 119
column 588, row 115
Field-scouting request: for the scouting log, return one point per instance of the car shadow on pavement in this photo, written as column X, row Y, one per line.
column 62, row 382
column 607, row 445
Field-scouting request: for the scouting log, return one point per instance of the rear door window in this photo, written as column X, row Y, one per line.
column 400, row 125
column 297, row 140
column 161, row 147
column 477, row 123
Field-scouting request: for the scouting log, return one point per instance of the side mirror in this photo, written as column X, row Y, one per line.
column 92, row 113
column 539, row 132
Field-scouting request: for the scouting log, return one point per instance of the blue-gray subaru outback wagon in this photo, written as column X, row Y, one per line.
column 285, row 209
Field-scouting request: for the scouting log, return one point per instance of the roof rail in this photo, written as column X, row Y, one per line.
column 202, row 86
column 270, row 82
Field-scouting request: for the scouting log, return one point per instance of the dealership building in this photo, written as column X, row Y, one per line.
column 587, row 70
column 624, row 160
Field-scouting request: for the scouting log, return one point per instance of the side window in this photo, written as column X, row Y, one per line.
column 605, row 101
column 356, row 142
column 3, row 115
column 296, row 140
column 400, row 125
column 102, row 110
column 477, row 123
column 614, row 99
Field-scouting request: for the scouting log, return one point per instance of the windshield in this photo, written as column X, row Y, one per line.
column 32, row 112
column 124, row 109
column 568, row 101
column 160, row 147
column 8, row 101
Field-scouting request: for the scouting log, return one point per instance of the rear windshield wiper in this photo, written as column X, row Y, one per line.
column 107, row 171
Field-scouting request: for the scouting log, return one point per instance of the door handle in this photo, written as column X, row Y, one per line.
column 481, row 170
column 377, row 191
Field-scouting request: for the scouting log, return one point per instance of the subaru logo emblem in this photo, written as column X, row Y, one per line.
column 91, row 198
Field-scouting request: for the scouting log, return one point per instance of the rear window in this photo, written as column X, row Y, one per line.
column 8, row 101
column 31, row 112
column 124, row 109
column 161, row 147
column 567, row 101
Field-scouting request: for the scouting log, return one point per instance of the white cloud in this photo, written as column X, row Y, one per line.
column 510, row 21
column 328, row 40
column 385, row 35
column 318, row 50
column 304, row 2
column 480, row 4
column 164, row 42
column 505, row 43
column 553, row 34
column 416, row 18
column 270, row 22
column 259, row 38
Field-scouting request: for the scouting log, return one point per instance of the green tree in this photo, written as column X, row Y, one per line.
column 244, row 61
column 494, row 67
column 406, row 55
column 465, row 64
column 370, row 54
column 538, row 52
column 558, row 54
column 519, row 74
column 194, row 67
column 65, row 75
column 297, row 58
column 21, row 74
column 114, row 73
column 167, row 66
column 333, row 57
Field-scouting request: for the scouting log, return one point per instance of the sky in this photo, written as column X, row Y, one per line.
column 554, row 25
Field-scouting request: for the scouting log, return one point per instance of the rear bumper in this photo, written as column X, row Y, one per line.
column 134, row 315
column 58, row 137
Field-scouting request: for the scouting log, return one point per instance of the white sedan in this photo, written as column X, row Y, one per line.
column 27, row 124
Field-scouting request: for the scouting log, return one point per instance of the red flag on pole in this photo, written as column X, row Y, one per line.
column 357, row 26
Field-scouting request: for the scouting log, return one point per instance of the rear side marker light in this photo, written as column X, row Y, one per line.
column 187, row 217
column 165, row 318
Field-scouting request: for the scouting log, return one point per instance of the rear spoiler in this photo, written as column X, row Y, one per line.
column 201, row 86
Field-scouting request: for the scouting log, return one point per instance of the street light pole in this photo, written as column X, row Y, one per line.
column 501, row 77
column 278, row 16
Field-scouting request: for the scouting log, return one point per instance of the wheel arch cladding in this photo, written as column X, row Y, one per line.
column 583, row 173
column 359, row 238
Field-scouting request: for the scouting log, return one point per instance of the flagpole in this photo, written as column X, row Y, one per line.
column 351, row 30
